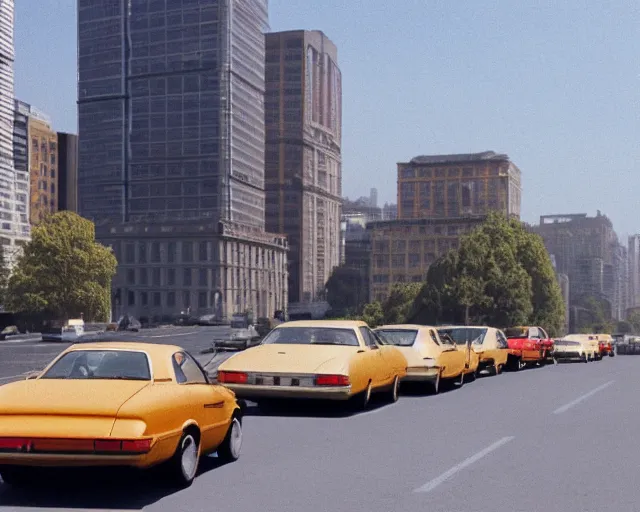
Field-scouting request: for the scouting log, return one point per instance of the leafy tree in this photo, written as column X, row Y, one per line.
column 373, row 314
column 346, row 289
column 400, row 301
column 501, row 275
column 624, row 327
column 63, row 272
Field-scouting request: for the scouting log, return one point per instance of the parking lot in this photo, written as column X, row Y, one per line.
column 554, row 438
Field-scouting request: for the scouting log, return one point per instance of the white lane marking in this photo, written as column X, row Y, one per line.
column 568, row 406
column 431, row 485
column 170, row 335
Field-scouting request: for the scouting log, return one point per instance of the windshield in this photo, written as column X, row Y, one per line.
column 312, row 336
column 464, row 335
column 101, row 364
column 517, row 332
column 399, row 337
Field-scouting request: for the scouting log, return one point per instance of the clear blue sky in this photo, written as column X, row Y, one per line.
column 553, row 84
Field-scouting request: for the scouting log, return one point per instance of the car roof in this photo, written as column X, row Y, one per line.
column 326, row 324
column 152, row 349
column 405, row 327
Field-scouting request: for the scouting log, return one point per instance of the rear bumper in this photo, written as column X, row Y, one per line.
column 421, row 374
column 568, row 355
column 78, row 460
column 250, row 392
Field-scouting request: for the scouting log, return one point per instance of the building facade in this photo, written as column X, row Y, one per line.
column 303, row 113
column 43, row 168
column 587, row 250
column 21, row 150
column 633, row 255
column 67, row 172
column 171, row 135
column 458, row 185
column 403, row 250
column 14, row 228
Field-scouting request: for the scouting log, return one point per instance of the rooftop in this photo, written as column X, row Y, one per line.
column 459, row 158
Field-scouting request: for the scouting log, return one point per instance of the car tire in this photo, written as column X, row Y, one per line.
column 362, row 400
column 229, row 450
column 435, row 386
column 15, row 476
column 586, row 358
column 394, row 392
column 611, row 354
column 183, row 467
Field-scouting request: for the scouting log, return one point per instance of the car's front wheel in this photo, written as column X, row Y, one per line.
column 229, row 450
column 394, row 392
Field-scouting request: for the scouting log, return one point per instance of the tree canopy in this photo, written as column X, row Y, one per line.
column 63, row 272
column 346, row 289
column 501, row 275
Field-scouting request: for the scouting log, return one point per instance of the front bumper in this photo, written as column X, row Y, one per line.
column 252, row 391
column 422, row 374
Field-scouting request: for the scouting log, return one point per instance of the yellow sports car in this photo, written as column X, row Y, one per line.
column 429, row 357
column 463, row 338
column 324, row 359
column 117, row 404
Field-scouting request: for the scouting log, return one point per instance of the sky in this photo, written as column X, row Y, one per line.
column 555, row 85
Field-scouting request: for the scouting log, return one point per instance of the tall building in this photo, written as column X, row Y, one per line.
column 171, row 154
column 303, row 112
column 43, row 167
column 67, row 171
column 373, row 198
column 14, row 231
column 633, row 255
column 21, row 148
column 458, row 185
column 587, row 250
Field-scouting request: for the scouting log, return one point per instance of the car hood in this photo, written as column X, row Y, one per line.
column 289, row 358
column 67, row 397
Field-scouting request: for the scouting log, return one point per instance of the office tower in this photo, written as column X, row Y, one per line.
column 171, row 154
column 14, row 225
column 303, row 110
column 67, row 171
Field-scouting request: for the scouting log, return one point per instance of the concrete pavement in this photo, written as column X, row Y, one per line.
column 558, row 438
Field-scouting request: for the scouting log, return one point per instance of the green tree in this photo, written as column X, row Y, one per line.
column 624, row 327
column 373, row 314
column 634, row 320
column 63, row 272
column 500, row 275
column 346, row 290
column 398, row 305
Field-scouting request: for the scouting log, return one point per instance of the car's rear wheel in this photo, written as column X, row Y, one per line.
column 229, row 450
column 362, row 400
column 183, row 467
column 15, row 476
column 394, row 392
column 611, row 354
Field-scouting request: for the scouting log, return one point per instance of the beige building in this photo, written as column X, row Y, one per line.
column 458, row 185
column 401, row 251
column 43, row 169
column 303, row 165
column 212, row 269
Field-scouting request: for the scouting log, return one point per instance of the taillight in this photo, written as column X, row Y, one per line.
column 13, row 443
column 332, row 380
column 232, row 377
column 138, row 446
column 103, row 445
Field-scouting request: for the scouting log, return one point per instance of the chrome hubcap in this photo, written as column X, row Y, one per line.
column 189, row 457
column 235, row 439
column 396, row 385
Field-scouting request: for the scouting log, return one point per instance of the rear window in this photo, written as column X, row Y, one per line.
column 101, row 364
column 399, row 337
column 464, row 335
column 517, row 332
column 312, row 336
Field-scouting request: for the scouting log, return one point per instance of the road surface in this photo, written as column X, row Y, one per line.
column 558, row 438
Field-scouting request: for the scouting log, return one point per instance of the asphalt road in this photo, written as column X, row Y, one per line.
column 558, row 438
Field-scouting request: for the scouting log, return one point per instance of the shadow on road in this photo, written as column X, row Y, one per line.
column 97, row 489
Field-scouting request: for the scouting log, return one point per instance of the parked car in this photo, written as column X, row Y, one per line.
column 606, row 345
column 430, row 358
column 528, row 345
column 576, row 347
column 322, row 359
column 462, row 336
column 490, row 344
column 117, row 404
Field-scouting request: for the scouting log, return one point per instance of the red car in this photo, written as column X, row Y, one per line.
column 528, row 345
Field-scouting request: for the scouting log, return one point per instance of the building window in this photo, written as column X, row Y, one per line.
column 171, row 252
column 186, row 299
column 142, row 253
column 203, row 251
column 129, row 253
column 131, row 298
column 187, row 252
column 203, row 277
column 155, row 252
column 156, row 299
column 144, row 298
column 144, row 277
column 171, row 277
column 398, row 260
column 186, row 277
column 171, row 299
column 414, row 260
column 202, row 300
column 53, row 173
column 131, row 276
column 156, row 276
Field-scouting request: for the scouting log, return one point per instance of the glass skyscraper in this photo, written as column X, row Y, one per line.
column 171, row 110
column 14, row 187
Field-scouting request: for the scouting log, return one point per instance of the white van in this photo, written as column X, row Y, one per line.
column 70, row 330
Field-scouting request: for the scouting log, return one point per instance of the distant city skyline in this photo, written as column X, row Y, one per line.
column 450, row 84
